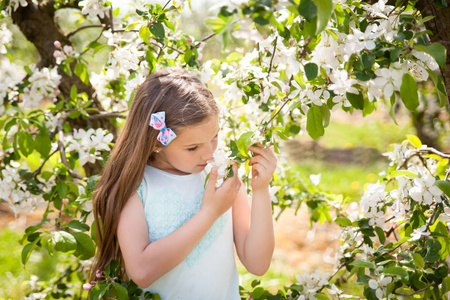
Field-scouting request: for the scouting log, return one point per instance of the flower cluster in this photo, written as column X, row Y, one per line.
column 312, row 284
column 43, row 84
column 88, row 144
column 15, row 192
column 94, row 8
column 5, row 37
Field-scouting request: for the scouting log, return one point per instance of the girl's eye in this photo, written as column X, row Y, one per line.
column 192, row 149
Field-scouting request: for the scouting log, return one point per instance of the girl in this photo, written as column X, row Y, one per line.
column 174, row 234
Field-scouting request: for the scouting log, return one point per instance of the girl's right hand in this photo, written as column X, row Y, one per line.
column 217, row 201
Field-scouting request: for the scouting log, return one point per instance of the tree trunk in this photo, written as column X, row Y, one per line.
column 38, row 24
column 440, row 26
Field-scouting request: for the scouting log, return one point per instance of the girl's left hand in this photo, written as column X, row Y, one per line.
column 263, row 165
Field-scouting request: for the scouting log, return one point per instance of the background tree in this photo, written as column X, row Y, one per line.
column 308, row 59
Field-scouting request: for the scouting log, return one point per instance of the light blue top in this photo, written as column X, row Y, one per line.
column 209, row 271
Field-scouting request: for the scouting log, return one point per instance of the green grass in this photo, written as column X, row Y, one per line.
column 14, row 277
column 376, row 134
column 346, row 179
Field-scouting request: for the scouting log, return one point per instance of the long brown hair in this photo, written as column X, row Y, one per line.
column 186, row 102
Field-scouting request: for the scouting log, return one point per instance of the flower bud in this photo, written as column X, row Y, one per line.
column 189, row 41
column 286, row 88
column 87, row 286
column 57, row 44
column 99, row 274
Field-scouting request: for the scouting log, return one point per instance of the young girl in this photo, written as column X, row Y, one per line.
column 175, row 235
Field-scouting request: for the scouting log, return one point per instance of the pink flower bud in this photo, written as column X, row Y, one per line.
column 57, row 44
column 56, row 54
column 201, row 45
column 189, row 40
column 286, row 88
column 87, row 286
column 99, row 274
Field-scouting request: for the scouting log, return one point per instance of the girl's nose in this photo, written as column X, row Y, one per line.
column 208, row 154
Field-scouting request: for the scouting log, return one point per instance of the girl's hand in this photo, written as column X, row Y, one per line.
column 218, row 200
column 263, row 163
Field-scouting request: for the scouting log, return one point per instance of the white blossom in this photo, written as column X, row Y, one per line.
column 312, row 283
column 379, row 285
column 85, row 141
column 5, row 37
column 418, row 233
column 315, row 179
column 425, row 191
column 93, row 8
column 388, row 80
column 43, row 83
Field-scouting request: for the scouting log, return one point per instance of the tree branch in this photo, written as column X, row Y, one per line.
column 85, row 27
column 106, row 116
column 62, row 152
column 416, row 292
column 273, row 54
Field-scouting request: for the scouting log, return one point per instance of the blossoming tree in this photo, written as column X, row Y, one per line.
column 309, row 58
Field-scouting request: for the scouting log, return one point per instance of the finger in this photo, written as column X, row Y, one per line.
column 211, row 185
column 258, row 159
column 263, row 151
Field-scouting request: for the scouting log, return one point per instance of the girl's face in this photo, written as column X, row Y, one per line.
column 190, row 151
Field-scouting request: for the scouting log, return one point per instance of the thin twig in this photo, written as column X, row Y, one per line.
column 62, row 152
column 98, row 37
column 433, row 151
column 38, row 170
column 84, row 27
column 273, row 54
column 106, row 116
column 286, row 100
column 416, row 292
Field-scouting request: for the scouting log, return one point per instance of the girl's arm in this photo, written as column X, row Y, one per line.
column 253, row 228
column 145, row 261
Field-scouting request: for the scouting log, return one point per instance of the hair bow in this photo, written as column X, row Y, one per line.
column 166, row 135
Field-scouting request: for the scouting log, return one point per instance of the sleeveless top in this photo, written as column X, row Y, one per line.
column 209, row 271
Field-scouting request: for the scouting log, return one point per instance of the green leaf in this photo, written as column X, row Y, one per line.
column 26, row 143
column 77, row 225
column 98, row 291
column 144, row 33
column 81, row 71
column 324, row 9
column 414, row 140
column 356, row 100
column 433, row 248
column 307, row 9
column 403, row 173
column 392, row 109
column 43, row 143
column 438, row 51
column 314, row 125
column 257, row 293
column 380, row 234
column 73, row 92
column 62, row 188
column 217, row 25
column 27, row 249
column 444, row 186
column 343, row 221
column 121, row 292
column 311, row 71
column 408, row 92
column 398, row 272
column 132, row 26
column 85, row 246
column 361, row 263
column 158, row 30
column 256, row 282
column 62, row 241
column 418, row 260
column 244, row 142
